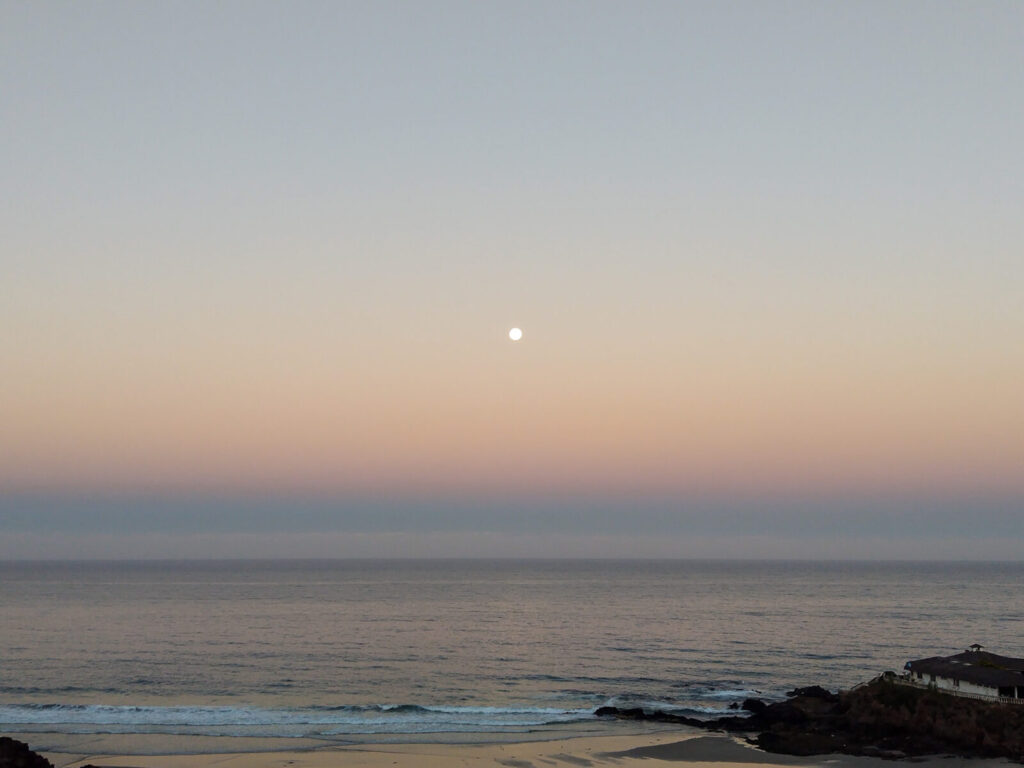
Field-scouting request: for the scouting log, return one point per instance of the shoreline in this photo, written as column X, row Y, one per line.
column 168, row 744
column 813, row 727
column 656, row 747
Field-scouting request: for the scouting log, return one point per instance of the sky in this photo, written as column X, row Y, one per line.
column 259, row 263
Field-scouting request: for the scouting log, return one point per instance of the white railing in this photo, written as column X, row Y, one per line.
column 954, row 692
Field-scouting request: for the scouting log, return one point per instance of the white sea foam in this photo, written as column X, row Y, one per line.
column 251, row 721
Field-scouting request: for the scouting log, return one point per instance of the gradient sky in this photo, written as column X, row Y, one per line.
column 259, row 261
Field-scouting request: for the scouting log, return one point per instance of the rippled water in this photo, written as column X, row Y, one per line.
column 324, row 648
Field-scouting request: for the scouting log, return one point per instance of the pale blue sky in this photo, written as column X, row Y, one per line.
column 764, row 252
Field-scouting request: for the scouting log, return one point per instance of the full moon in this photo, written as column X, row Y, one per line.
column 515, row 334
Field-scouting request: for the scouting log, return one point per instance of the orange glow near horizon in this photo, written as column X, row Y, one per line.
column 479, row 416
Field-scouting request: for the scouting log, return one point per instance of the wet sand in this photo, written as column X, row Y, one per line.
column 640, row 750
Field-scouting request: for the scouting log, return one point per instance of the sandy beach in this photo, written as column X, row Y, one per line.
column 649, row 751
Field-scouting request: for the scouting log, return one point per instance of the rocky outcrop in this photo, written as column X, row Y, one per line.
column 16, row 754
column 881, row 719
column 913, row 721
column 636, row 713
column 814, row 692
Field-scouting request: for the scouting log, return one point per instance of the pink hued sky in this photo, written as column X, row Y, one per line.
column 758, row 251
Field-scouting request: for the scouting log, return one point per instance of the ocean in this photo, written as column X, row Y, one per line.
column 350, row 650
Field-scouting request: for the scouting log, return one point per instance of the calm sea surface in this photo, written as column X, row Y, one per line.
column 352, row 647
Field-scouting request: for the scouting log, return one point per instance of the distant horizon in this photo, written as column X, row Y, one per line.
column 203, row 526
column 509, row 559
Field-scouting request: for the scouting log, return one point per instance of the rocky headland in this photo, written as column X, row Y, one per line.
column 879, row 719
column 16, row 754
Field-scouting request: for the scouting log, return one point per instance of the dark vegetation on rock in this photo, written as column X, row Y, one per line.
column 16, row 754
column 879, row 719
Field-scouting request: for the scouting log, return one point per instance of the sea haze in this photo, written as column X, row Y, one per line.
column 329, row 648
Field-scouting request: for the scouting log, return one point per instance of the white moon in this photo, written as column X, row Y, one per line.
column 515, row 334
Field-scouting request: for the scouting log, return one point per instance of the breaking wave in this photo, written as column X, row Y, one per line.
column 257, row 721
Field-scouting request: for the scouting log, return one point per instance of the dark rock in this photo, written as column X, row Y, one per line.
column 633, row 713
column 669, row 717
column 735, row 724
column 16, row 754
column 799, row 743
column 784, row 712
column 636, row 713
column 754, row 705
column 882, row 719
column 814, row 692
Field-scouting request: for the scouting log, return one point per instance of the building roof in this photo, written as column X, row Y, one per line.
column 979, row 667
